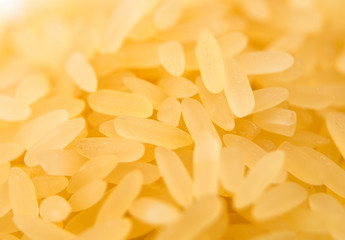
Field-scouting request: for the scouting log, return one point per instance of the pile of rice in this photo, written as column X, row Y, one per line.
column 173, row 120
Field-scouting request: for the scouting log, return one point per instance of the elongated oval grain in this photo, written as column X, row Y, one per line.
column 81, row 72
column 252, row 152
column 279, row 200
column 35, row 228
column 237, row 90
column 149, row 172
column 57, row 139
column 217, row 107
column 246, row 128
column 210, row 59
column 5, row 203
column 335, row 123
column 10, row 151
column 54, row 209
column 112, row 230
column 259, row 178
column 206, row 165
column 87, row 195
column 178, row 87
column 308, row 97
column 277, row 120
column 146, row 89
column 4, row 171
column 332, row 174
column 265, row 62
column 197, row 119
column 117, row 29
column 34, row 130
column 232, row 43
column 107, row 129
column 269, row 97
column 151, row 131
column 298, row 163
column 121, row 198
column 32, row 89
column 122, row 149
column 309, row 139
column 232, row 168
column 175, row 176
column 22, row 193
column 46, row 185
column 153, row 211
column 167, row 14
column 95, row 169
column 326, row 203
column 116, row 103
column 170, row 112
column 12, row 110
column 193, row 220
column 171, row 56
column 72, row 105
column 60, row 162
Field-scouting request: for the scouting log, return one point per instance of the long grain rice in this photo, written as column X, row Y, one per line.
column 172, row 119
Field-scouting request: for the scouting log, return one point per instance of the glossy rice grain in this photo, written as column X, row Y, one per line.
column 171, row 56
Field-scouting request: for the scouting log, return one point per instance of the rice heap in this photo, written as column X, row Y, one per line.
column 173, row 119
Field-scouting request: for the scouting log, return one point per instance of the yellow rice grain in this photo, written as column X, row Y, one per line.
column 60, row 162
column 57, row 139
column 248, row 192
column 35, row 228
column 167, row 14
column 264, row 62
column 232, row 43
column 46, row 185
column 12, row 109
column 81, row 72
column 5, row 204
column 121, row 198
column 193, row 220
column 123, row 150
column 197, row 119
column 232, row 168
column 146, row 89
column 267, row 98
column 149, row 172
column 170, row 112
column 237, row 90
column 107, row 129
column 117, row 29
column 111, row 230
column 116, row 103
column 9, row 151
column 21, row 187
column 72, row 105
column 277, row 120
column 34, row 130
column 171, row 56
column 95, row 169
column 210, row 61
column 279, row 200
column 206, row 165
column 217, row 107
column 87, row 195
column 246, row 128
column 178, row 87
column 335, row 123
column 308, row 97
column 54, row 209
column 175, row 176
column 154, row 212
column 308, row 139
column 150, row 131
column 32, row 88
column 252, row 152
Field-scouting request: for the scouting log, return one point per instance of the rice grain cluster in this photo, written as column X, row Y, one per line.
column 173, row 120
